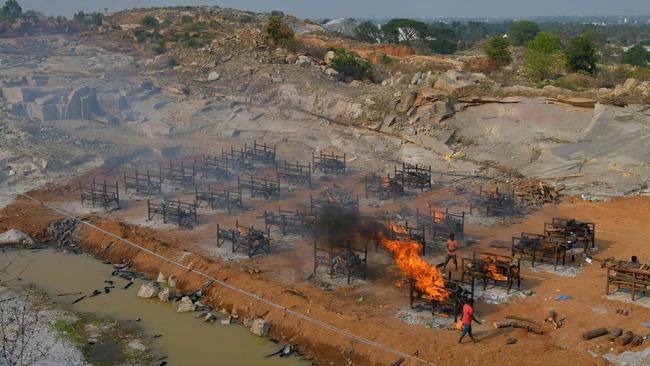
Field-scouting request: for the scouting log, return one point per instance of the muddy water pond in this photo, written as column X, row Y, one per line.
column 184, row 339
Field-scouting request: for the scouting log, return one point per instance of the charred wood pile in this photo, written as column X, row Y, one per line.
column 328, row 163
column 492, row 203
column 539, row 247
column 181, row 213
column 145, row 184
column 228, row 198
column 245, row 239
column 584, row 232
column 341, row 260
column 290, row 222
column 335, row 197
column 382, row 187
column 491, row 267
column 440, row 224
column 103, row 195
column 414, row 176
column 536, row 193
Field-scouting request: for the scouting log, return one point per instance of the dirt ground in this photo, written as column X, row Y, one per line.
column 371, row 308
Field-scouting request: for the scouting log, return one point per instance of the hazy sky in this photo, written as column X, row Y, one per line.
column 370, row 8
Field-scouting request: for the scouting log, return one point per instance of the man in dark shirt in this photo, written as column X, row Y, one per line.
column 468, row 316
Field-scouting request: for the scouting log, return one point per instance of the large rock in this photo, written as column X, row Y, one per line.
column 329, row 56
column 630, row 84
column 15, row 237
column 213, row 76
column 164, row 295
column 344, row 26
column 147, row 291
column 73, row 107
column 303, row 60
column 451, row 81
column 17, row 95
column 577, row 102
column 406, row 102
column 43, row 112
column 185, row 305
column 260, row 327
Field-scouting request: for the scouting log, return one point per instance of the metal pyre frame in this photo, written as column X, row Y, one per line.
column 493, row 203
column 414, row 176
column 457, row 296
column 382, row 187
column 406, row 232
column 105, row 195
column 634, row 279
column 238, row 159
column 490, row 266
column 561, row 229
column 442, row 223
column 227, row 198
column 341, row 259
column 299, row 174
column 349, row 204
column 178, row 174
column 537, row 247
column 143, row 183
column 260, row 153
column 328, row 163
column 247, row 239
column 260, row 186
column 183, row 214
column 290, row 222
column 213, row 167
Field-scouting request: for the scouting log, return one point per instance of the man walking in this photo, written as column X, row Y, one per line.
column 468, row 316
column 452, row 245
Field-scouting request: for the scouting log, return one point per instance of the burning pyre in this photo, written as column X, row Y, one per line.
column 426, row 277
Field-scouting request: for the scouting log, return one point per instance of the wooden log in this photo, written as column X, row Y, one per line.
column 594, row 333
column 637, row 340
column 523, row 319
column 614, row 333
column 625, row 338
column 518, row 324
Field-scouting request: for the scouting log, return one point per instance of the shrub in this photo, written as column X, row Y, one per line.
column 149, row 21
column 581, row 56
column 367, row 32
column 172, row 62
column 497, row 51
column 280, row 34
column 543, row 58
column 637, row 56
column 523, row 32
column 350, row 65
column 187, row 19
column 11, row 10
column 386, row 60
column 159, row 48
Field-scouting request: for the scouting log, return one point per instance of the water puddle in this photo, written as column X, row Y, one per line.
column 184, row 339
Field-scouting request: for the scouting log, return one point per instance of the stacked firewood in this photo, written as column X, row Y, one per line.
column 536, row 193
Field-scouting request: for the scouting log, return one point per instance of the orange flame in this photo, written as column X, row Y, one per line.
column 397, row 229
column 386, row 182
column 242, row 230
column 493, row 270
column 426, row 277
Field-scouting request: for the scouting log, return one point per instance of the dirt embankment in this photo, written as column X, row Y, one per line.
column 374, row 53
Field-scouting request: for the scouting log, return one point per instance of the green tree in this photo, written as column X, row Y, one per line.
column 11, row 10
column 404, row 30
column 149, row 21
column 637, row 56
column 348, row 64
column 497, row 50
column 581, row 55
column 595, row 35
column 279, row 33
column 522, row 32
column 367, row 32
column 442, row 46
column 543, row 58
